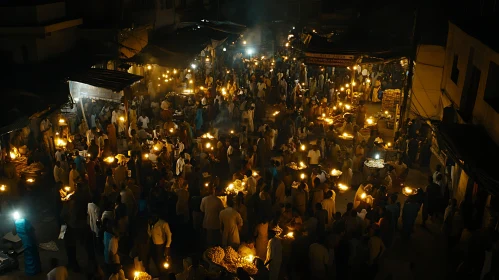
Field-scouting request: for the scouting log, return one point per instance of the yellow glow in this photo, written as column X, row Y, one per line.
column 275, row 113
column 67, row 189
column 287, row 45
column 408, row 190
column 166, row 265
column 174, row 71
column 389, row 144
column 323, row 115
column 230, row 187
column 171, row 130
column 302, row 147
column 206, row 184
column 354, row 83
column 30, row 180
column 3, row 188
column 201, row 88
column 12, row 155
column 256, row 63
column 190, row 81
column 122, row 119
column 355, row 68
column 149, row 67
column 386, row 112
column 363, row 196
column 302, row 164
column 109, row 159
column 156, row 148
column 347, row 107
column 342, row 187
column 347, row 85
column 60, row 142
column 255, row 173
column 146, row 155
column 302, row 176
column 341, row 104
column 334, row 108
column 368, row 80
column 208, row 145
column 232, row 132
column 207, row 59
column 89, row 155
column 294, row 58
column 136, row 274
column 244, row 42
column 336, row 172
column 62, row 121
column 290, row 234
column 263, row 57
column 369, row 121
column 342, row 88
column 250, row 258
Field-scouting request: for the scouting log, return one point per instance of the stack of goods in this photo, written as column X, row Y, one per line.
column 140, row 275
column 293, row 165
column 230, row 259
column 391, row 98
column 235, row 187
column 33, row 168
column 375, row 163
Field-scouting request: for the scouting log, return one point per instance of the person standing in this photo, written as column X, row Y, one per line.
column 211, row 206
column 319, row 259
column 329, row 204
column 274, row 255
column 160, row 238
column 230, row 225
column 26, row 232
column 314, row 155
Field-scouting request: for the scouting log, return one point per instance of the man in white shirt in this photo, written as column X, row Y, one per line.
column 144, row 121
column 329, row 204
column 274, row 255
column 250, row 182
column 179, row 168
column 314, row 156
column 211, row 206
column 74, row 176
column 58, row 155
column 161, row 236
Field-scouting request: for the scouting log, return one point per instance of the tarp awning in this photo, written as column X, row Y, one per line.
column 153, row 54
column 478, row 152
column 103, row 78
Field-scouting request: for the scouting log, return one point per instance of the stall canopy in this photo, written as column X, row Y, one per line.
column 477, row 152
column 103, row 78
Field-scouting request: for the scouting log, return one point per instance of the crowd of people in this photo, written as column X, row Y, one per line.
column 154, row 183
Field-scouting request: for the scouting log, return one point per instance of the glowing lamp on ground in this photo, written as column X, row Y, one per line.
column 207, row 59
column 193, row 66
column 232, row 132
column 149, row 67
column 354, row 83
column 376, row 156
column 363, row 196
column 256, row 63
column 62, row 121
column 12, row 155
column 171, row 130
column 302, row 176
column 166, row 265
column 208, row 145
column 255, row 174
column 250, row 258
column 407, row 191
column 290, row 234
column 336, row 172
column 348, row 107
column 16, row 215
column 355, row 68
column 342, row 187
column 302, row 147
column 30, row 180
column 347, row 85
column 342, row 88
column 302, row 164
column 67, row 189
column 334, row 108
column 206, row 185
column 287, row 45
column 136, row 274
column 386, row 112
column 201, row 88
column 345, row 134
column 174, row 71
column 388, row 144
column 3, row 188
column 368, row 80
column 369, row 121
column 122, row 119
column 109, row 159
column 230, row 187
column 323, row 115
column 275, row 113
column 156, row 148
column 190, row 82
column 224, row 49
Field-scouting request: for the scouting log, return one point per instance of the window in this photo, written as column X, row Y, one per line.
column 491, row 95
column 468, row 97
column 454, row 75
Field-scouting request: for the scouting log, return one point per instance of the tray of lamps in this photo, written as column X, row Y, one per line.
column 235, row 187
column 375, row 163
column 230, row 260
column 297, row 166
column 326, row 119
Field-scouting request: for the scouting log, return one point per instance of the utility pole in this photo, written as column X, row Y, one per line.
column 412, row 58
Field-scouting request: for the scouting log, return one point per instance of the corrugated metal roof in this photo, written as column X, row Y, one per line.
column 103, row 78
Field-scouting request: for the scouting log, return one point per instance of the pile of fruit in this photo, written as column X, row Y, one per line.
column 230, row 260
